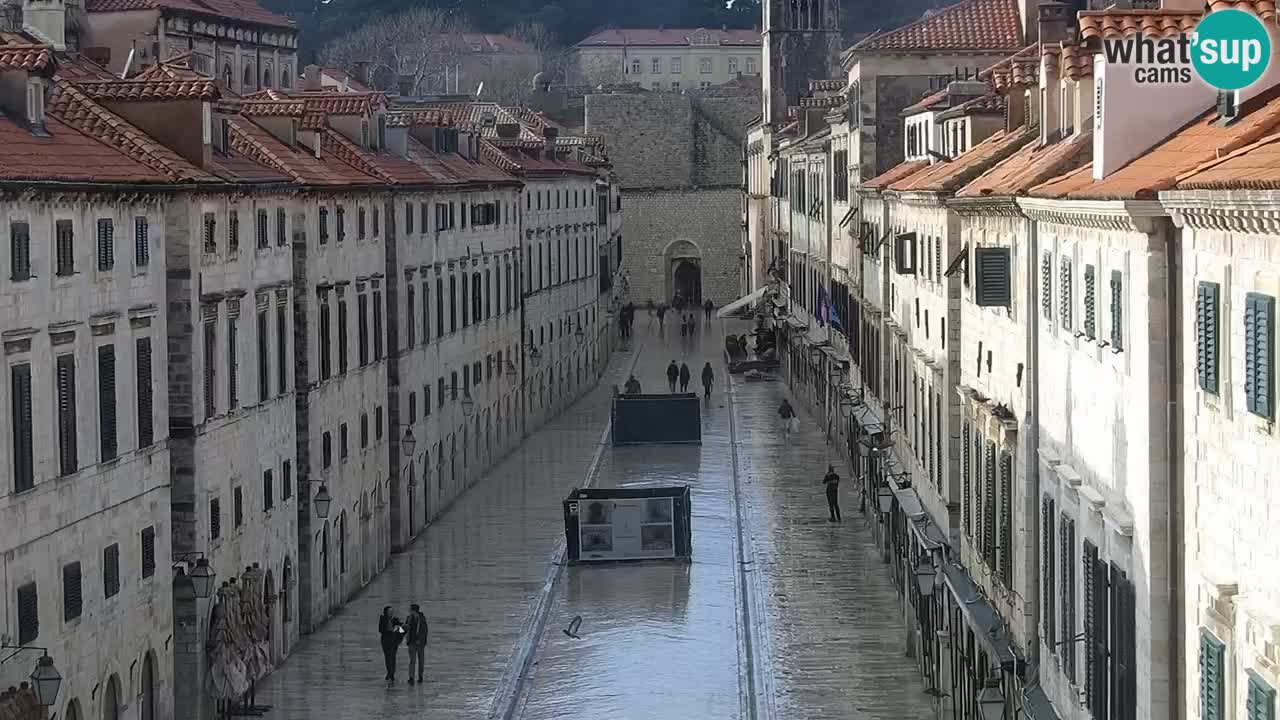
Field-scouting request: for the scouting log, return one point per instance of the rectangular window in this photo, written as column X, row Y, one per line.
column 260, row 231
column 453, row 303
column 72, row 591
column 966, row 480
column 268, row 491
column 1064, row 292
column 148, row 542
column 340, row 220
column 377, row 325
column 326, row 449
column 364, row 430
column 324, row 225
column 1117, row 310
column 286, row 480
column 20, row 251
column 233, row 362
column 64, row 248
column 1095, row 629
column 426, row 313
column 141, row 242
column 408, row 219
column 111, row 570
column 28, row 614
column 1259, row 353
column 264, row 362
column 237, row 506
column 1067, row 594
column 342, row 441
column 1259, row 699
column 377, row 222
column 107, row 435
column 1048, row 568
column 362, row 327
column 1212, row 682
column 993, row 273
column 106, row 245
column 361, row 215
column 1046, row 286
column 68, row 460
column 1006, row 518
column 1123, row 651
column 1090, row 303
column 410, row 322
column 233, row 232
column 377, row 423
column 343, row 351
column 215, row 518
column 282, row 347
column 210, row 224
column 426, row 400
column 23, row 461
column 210, row 364
column 423, row 218
column 282, row 230
column 1207, row 336
column 413, row 408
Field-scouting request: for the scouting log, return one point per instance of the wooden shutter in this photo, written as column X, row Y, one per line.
column 282, row 229
column 989, row 509
column 377, row 325
column 233, row 231
column 1047, row 566
column 268, row 491
column 233, row 362
column 106, row 244
column 20, row 251
column 1259, row 353
column 215, row 518
column 237, row 506
column 1067, row 544
column 65, row 249
column 210, row 239
column 1064, row 292
column 1207, row 336
column 67, row 448
column 261, row 230
column 28, row 614
column 1211, row 680
column 111, row 570
column 992, row 269
column 1088, row 559
column 966, row 481
column 141, row 241
column 148, row 551
column 282, row 345
column 72, row 593
column 1046, row 285
column 210, row 363
column 1125, row 706
column 146, row 419
column 23, row 462
column 286, row 480
column 905, row 254
column 1090, row 302
column 1260, row 700
column 1006, row 518
column 1099, row 644
column 107, row 402
column 1117, row 310
column 264, row 362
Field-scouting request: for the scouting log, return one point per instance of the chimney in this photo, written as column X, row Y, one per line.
column 1054, row 20
column 311, row 78
column 508, row 131
column 405, row 85
column 549, row 136
column 960, row 91
column 360, row 71
column 47, row 20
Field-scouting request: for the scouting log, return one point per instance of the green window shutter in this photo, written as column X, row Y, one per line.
column 1259, row 353
column 1211, row 690
column 1064, row 292
column 1090, row 302
column 1047, row 566
column 995, row 280
column 1207, row 337
column 1046, row 286
column 1117, row 310
column 1006, row 518
column 966, row 481
column 989, row 509
column 1089, row 558
column 976, row 500
column 1260, row 702
column 1067, row 542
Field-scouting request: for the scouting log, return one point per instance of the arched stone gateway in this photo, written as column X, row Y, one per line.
column 683, row 262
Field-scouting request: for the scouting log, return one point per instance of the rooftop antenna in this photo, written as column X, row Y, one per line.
column 479, row 89
column 128, row 64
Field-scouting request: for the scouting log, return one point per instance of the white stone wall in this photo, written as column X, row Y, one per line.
column 74, row 518
column 1102, row 416
column 1228, row 454
column 598, row 65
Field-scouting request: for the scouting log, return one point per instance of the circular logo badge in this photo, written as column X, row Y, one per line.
column 1231, row 49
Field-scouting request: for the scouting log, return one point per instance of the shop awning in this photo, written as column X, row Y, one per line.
column 1036, row 704
column 745, row 303
column 986, row 623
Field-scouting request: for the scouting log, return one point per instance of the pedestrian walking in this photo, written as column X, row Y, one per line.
column 673, row 374
column 708, row 306
column 684, row 326
column 652, row 308
column 662, row 316
column 790, row 422
column 708, row 377
column 832, row 483
column 685, row 376
column 633, row 386
column 416, row 637
column 693, row 324
column 391, row 633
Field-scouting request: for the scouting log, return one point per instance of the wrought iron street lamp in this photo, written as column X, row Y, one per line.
column 885, row 499
column 201, row 575
column 45, row 679
column 579, row 334
column 926, row 576
column 408, row 442
column 991, row 701
column 323, row 501
column 468, row 405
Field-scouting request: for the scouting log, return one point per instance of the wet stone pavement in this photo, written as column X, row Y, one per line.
column 823, row 637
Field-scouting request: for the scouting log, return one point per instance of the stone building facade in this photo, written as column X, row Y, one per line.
column 679, row 163
column 666, row 59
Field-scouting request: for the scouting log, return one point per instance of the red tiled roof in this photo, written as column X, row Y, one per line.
column 344, row 76
column 988, row 104
column 298, row 162
column 1076, row 63
column 474, row 114
column 967, row 25
column 66, row 155
column 175, row 68
column 1253, row 167
column 1110, row 24
column 1265, row 9
column 493, row 43
column 380, row 164
column 272, row 108
column 929, row 101
column 419, row 118
column 245, row 11
column 149, row 90
column 75, row 66
column 78, row 110
column 668, row 36
column 894, row 174
column 1021, row 69
column 949, row 176
column 1201, row 141
column 1030, row 166
column 19, row 52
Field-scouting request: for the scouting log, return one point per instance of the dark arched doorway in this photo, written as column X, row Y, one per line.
column 111, row 700
column 687, row 280
column 148, row 698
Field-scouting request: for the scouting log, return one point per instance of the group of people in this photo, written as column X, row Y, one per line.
column 411, row 632
column 688, row 320
column 830, row 481
column 680, row 373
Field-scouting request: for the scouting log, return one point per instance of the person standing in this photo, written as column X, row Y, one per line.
column 708, row 306
column 673, row 374
column 662, row 316
column 788, row 415
column 391, row 634
column 685, row 376
column 708, row 377
column 684, row 326
column 417, row 641
column 832, row 483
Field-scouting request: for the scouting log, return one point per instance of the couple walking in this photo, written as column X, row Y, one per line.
column 683, row 375
column 413, row 632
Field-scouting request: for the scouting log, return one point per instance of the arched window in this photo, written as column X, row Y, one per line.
column 266, row 76
column 226, row 75
column 284, row 77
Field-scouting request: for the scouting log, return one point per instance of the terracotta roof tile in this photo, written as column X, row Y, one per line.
column 967, row 25
column 1253, row 167
column 149, row 90
column 1265, row 9
column 19, row 52
column 75, row 66
column 272, row 108
column 1030, row 166
column 298, row 162
column 1021, row 69
column 894, row 174
column 486, row 116
column 78, row 110
column 927, row 102
column 950, row 176
column 66, row 155
column 245, row 11
column 668, row 36
column 380, row 164
column 1111, row 24
column 1201, row 141
column 312, row 120
column 987, row 104
column 419, row 118
column 343, row 76
column 1076, row 63
column 833, row 85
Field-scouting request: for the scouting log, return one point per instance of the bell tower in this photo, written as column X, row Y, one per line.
column 801, row 43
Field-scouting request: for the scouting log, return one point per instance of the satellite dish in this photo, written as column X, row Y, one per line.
column 480, row 89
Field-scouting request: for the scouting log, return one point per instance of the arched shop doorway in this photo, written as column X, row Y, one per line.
column 684, row 278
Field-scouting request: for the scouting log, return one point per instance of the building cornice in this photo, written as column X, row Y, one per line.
column 1124, row 215
column 1246, row 211
column 920, row 198
column 1002, row 206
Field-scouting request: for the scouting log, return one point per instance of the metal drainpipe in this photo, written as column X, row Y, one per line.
column 1032, row 425
column 1174, row 420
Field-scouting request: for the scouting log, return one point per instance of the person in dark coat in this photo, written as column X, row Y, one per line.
column 416, row 637
column 633, row 386
column 673, row 374
column 684, row 326
column 662, row 317
column 685, row 376
column 708, row 306
column 832, row 483
column 391, row 633
column 708, row 377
